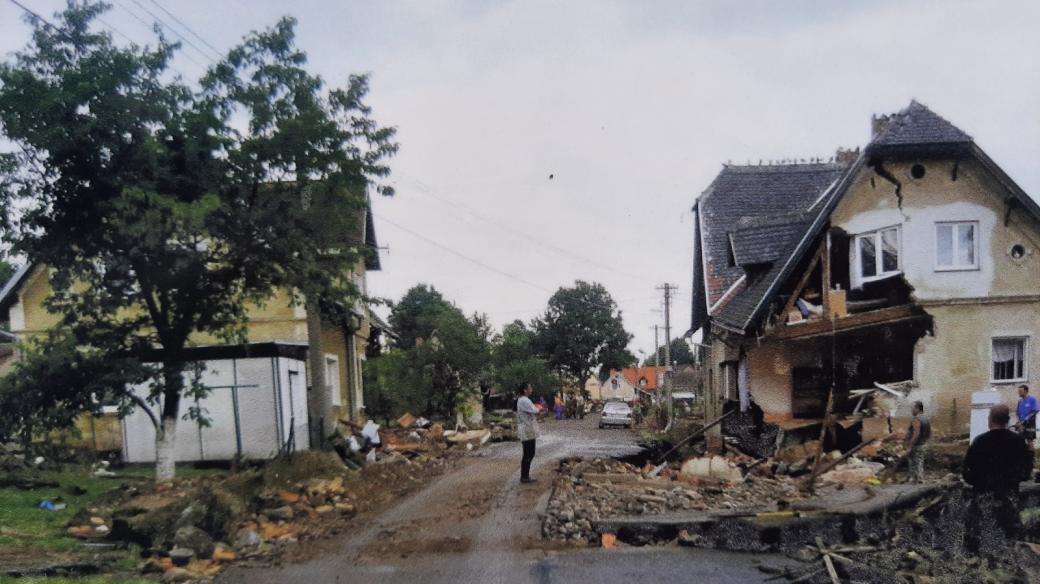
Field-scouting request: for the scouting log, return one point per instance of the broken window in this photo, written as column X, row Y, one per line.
column 1009, row 358
column 877, row 253
column 955, row 246
column 728, row 377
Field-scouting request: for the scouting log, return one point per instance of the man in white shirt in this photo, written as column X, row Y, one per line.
column 526, row 429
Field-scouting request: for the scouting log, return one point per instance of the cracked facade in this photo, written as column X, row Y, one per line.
column 916, row 259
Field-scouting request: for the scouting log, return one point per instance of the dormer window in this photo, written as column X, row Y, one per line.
column 877, row 253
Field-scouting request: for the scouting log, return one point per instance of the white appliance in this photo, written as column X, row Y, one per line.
column 981, row 402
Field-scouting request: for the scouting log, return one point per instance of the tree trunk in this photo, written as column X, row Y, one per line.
column 166, row 435
column 165, row 444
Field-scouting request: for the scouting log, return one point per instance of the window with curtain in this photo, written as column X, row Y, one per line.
column 1009, row 358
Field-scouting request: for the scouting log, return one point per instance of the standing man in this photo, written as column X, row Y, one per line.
column 526, row 429
column 1026, row 412
column 997, row 461
column 917, row 442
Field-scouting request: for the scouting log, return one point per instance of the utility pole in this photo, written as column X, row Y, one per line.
column 667, row 389
column 657, row 345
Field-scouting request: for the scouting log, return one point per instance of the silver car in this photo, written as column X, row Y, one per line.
column 616, row 413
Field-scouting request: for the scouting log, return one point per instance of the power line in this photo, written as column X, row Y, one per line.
column 462, row 255
column 427, row 191
column 149, row 27
column 490, row 267
column 62, row 32
column 215, row 50
column 166, row 26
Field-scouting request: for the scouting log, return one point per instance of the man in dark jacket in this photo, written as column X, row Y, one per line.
column 997, row 461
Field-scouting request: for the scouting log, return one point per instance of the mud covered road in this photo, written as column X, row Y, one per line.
column 479, row 524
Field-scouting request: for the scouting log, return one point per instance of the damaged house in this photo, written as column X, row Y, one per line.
column 912, row 264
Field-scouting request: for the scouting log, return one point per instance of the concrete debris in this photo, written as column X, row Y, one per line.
column 592, row 490
column 712, row 467
column 472, row 438
column 852, row 472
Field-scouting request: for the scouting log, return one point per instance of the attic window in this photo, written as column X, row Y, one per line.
column 917, row 171
column 876, row 254
column 1017, row 251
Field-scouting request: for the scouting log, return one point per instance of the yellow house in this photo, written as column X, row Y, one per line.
column 913, row 263
column 297, row 376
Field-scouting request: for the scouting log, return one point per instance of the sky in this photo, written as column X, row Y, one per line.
column 544, row 142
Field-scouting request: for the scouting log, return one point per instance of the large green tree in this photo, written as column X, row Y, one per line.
column 439, row 360
column 582, row 332
column 165, row 209
column 680, row 354
column 515, row 361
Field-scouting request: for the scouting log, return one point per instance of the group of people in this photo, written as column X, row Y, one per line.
column 1024, row 431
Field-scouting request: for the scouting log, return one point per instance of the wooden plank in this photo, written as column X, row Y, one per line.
column 853, row 321
column 889, row 390
column 805, row 279
column 826, row 288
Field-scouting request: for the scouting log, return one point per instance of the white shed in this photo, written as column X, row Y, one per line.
column 257, row 404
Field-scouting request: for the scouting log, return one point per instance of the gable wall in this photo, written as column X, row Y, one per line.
column 974, row 196
column 1000, row 298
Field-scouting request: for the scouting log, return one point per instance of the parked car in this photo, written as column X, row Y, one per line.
column 616, row 413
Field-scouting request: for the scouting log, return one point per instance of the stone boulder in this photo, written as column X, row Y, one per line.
column 194, row 539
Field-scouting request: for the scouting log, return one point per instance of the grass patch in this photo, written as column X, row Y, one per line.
column 23, row 523
column 87, row 580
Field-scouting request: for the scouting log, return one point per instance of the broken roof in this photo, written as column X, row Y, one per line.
column 756, row 215
column 765, row 218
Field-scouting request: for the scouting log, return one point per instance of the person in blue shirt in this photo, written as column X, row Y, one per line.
column 1027, row 412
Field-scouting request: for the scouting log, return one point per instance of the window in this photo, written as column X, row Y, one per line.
column 332, row 379
column 877, row 253
column 1009, row 358
column 956, row 246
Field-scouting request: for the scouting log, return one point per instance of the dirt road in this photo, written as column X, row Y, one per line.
column 479, row 524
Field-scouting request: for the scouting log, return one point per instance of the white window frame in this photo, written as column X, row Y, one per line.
column 878, row 254
column 332, row 374
column 974, row 241
column 1025, row 358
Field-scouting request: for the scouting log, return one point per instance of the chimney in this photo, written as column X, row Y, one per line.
column 878, row 124
column 846, row 155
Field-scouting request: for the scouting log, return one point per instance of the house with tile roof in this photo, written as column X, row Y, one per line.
column 913, row 259
column 298, row 375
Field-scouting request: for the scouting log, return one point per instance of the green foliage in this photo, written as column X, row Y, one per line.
column 515, row 362
column 439, row 360
column 582, row 331
column 163, row 210
column 56, row 380
column 680, row 354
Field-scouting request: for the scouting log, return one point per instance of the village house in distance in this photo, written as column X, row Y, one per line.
column 288, row 387
column 912, row 264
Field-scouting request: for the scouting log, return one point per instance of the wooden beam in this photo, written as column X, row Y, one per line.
column 826, row 287
column 805, row 280
column 853, row 321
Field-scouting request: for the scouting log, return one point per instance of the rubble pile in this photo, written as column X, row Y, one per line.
column 190, row 529
column 359, row 445
column 587, row 491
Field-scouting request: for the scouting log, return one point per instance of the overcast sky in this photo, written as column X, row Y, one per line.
column 631, row 107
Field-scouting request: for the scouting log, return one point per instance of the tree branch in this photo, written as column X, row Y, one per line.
column 147, row 409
